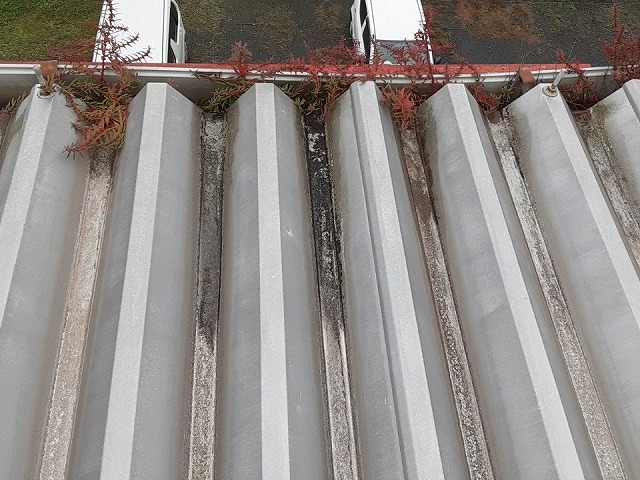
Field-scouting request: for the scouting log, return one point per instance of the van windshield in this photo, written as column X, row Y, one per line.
column 389, row 49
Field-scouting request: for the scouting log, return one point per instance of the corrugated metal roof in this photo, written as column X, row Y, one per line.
column 261, row 296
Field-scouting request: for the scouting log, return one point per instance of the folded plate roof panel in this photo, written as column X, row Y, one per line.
column 613, row 141
column 405, row 417
column 270, row 418
column 474, row 286
column 41, row 197
column 134, row 405
column 594, row 264
column 496, row 294
column 619, row 116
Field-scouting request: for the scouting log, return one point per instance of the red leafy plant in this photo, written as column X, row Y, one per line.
column 327, row 73
column 403, row 103
column 623, row 51
column 100, row 93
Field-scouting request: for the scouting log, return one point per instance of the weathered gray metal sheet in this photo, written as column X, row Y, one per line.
column 527, row 186
column 619, row 116
column 612, row 134
column 405, row 416
column 270, row 419
column 558, row 328
column 134, row 408
column 41, row 196
column 499, row 302
column 595, row 268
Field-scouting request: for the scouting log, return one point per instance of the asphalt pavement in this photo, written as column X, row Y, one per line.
column 483, row 31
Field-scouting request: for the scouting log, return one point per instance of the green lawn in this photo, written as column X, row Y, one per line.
column 28, row 27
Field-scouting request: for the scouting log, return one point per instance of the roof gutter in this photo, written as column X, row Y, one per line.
column 16, row 78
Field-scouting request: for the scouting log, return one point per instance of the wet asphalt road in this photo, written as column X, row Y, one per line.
column 279, row 29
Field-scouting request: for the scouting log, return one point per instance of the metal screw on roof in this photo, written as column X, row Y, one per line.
column 42, row 81
column 552, row 90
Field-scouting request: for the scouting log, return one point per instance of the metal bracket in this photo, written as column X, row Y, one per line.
column 552, row 90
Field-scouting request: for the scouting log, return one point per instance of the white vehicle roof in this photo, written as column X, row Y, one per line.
column 395, row 19
column 149, row 19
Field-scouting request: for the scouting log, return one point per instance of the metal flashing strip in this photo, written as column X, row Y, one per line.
column 18, row 78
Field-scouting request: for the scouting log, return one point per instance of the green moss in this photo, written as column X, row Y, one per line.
column 277, row 28
column 29, row 27
column 561, row 11
column 202, row 16
column 630, row 14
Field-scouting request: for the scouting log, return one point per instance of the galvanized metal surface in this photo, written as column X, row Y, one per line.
column 470, row 309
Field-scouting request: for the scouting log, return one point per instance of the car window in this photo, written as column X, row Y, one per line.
column 366, row 40
column 172, row 56
column 173, row 23
column 363, row 11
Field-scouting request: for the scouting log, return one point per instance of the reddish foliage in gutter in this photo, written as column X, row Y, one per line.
column 102, row 106
column 623, row 51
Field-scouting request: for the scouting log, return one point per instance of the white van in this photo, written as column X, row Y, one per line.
column 376, row 23
column 159, row 24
